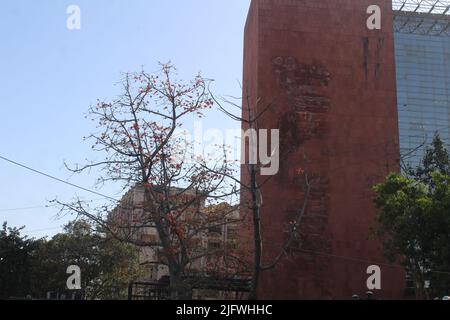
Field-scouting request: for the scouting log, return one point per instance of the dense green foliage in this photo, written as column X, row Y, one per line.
column 414, row 220
column 30, row 267
column 15, row 263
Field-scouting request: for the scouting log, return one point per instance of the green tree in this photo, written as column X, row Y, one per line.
column 414, row 223
column 439, row 227
column 15, row 263
column 30, row 267
column 436, row 159
column 107, row 265
column 414, row 219
column 404, row 204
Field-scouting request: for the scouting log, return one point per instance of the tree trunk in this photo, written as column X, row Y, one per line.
column 178, row 289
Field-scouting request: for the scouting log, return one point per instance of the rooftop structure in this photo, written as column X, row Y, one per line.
column 426, row 17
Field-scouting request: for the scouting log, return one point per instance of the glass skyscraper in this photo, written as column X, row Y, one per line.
column 422, row 50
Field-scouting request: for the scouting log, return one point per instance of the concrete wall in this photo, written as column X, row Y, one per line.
column 333, row 88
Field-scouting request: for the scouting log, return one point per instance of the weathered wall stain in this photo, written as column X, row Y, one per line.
column 365, row 41
column 304, row 119
column 380, row 44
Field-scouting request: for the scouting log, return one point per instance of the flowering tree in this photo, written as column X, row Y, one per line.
column 251, row 185
column 139, row 138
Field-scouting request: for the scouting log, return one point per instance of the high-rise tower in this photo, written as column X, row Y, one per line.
column 332, row 86
column 422, row 50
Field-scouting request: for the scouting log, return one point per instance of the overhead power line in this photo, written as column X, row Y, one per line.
column 55, row 178
column 27, row 208
column 41, row 206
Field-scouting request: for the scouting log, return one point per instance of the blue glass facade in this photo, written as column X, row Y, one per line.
column 423, row 90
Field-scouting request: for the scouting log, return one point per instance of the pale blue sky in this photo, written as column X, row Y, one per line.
column 50, row 75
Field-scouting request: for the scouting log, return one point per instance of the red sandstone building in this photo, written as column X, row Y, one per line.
column 332, row 84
